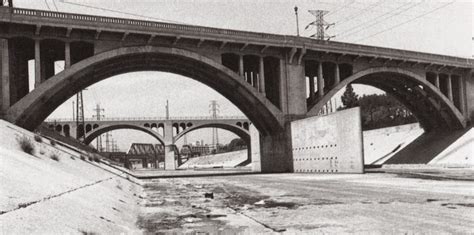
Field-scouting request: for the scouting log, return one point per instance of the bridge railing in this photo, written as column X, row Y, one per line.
column 151, row 119
column 153, row 24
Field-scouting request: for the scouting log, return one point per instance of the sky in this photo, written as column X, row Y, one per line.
column 440, row 27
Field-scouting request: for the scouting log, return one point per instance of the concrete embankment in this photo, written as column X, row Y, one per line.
column 56, row 189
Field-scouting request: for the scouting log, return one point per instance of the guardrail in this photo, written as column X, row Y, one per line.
column 283, row 40
column 183, row 118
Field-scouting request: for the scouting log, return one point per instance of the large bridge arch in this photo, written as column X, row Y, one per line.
column 423, row 99
column 102, row 130
column 31, row 110
column 243, row 134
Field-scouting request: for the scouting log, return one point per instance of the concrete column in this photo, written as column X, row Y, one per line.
column 170, row 163
column 311, row 87
column 5, row 76
column 67, row 55
column 462, row 104
column 450, row 88
column 337, row 75
column 437, row 80
column 262, row 76
column 241, row 65
column 320, row 80
column 275, row 152
column 38, row 72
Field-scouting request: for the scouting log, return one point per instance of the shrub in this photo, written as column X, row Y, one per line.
column 90, row 158
column 26, row 145
column 96, row 159
column 53, row 142
column 54, row 157
column 83, row 158
column 38, row 139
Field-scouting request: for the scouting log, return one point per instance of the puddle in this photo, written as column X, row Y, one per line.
column 275, row 204
column 449, row 205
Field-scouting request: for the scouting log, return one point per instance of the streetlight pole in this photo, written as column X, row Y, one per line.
column 297, row 22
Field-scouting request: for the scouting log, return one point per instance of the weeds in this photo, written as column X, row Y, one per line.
column 38, row 139
column 26, row 145
column 54, row 157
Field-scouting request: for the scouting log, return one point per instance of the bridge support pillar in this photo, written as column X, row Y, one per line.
column 170, row 163
column 337, row 75
column 262, row 77
column 275, row 152
column 67, row 55
column 320, row 80
column 437, row 80
column 38, row 72
column 449, row 84
column 5, row 75
column 469, row 94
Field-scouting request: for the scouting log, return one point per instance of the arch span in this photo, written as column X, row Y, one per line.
column 31, row 110
column 243, row 134
column 423, row 99
column 99, row 131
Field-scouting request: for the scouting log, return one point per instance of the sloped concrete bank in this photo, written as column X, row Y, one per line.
column 56, row 189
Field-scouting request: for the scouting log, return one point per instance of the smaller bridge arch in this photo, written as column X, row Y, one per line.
column 103, row 129
column 242, row 133
column 410, row 89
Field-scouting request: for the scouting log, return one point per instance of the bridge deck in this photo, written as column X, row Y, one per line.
column 100, row 23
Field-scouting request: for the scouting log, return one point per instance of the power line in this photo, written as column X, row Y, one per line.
column 407, row 21
column 122, row 12
column 356, row 14
column 347, row 34
column 47, row 5
column 341, row 8
column 55, row 6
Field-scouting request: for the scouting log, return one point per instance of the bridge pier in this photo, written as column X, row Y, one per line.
column 170, row 163
column 5, row 76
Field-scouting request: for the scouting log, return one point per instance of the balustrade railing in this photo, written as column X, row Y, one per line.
column 151, row 119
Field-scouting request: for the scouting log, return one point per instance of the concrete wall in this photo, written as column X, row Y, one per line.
column 255, row 148
column 331, row 143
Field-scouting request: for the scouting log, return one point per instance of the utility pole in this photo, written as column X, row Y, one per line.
column 107, row 141
column 297, row 22
column 73, row 114
column 214, row 109
column 167, row 110
column 80, row 127
column 98, row 116
column 320, row 24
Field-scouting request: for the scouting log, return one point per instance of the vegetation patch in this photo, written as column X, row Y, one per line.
column 26, row 145
column 38, row 139
column 54, row 157
column 53, row 142
column 83, row 158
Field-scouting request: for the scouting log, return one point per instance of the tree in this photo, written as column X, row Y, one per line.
column 349, row 98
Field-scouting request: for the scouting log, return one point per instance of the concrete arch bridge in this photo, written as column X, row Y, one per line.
column 273, row 79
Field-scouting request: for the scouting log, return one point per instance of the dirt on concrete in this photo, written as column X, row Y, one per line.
column 307, row 204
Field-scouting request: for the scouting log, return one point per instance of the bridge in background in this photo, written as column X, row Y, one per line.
column 265, row 75
column 158, row 127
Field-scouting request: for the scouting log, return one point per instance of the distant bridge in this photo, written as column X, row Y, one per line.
column 158, row 127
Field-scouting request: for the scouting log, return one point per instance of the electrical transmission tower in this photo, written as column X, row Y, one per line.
column 321, row 25
column 108, row 138
column 214, row 110
column 80, row 125
column 98, row 116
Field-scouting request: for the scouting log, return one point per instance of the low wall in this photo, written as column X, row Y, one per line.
column 331, row 143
